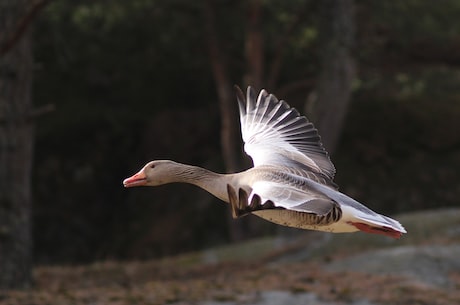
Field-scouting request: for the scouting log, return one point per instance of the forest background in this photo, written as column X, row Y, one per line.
column 121, row 83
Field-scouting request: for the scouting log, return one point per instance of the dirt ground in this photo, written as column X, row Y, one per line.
column 423, row 267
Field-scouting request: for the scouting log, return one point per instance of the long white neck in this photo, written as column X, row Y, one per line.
column 214, row 183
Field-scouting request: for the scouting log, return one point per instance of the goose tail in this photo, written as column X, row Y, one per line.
column 377, row 224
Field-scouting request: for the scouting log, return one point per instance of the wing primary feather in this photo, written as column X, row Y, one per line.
column 250, row 100
column 273, row 114
column 262, row 107
column 273, row 132
column 241, row 100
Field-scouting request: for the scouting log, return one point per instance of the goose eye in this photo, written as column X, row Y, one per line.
column 152, row 166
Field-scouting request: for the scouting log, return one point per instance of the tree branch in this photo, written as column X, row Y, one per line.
column 42, row 110
column 30, row 116
column 22, row 26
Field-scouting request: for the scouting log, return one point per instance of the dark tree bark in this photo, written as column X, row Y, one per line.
column 337, row 69
column 254, row 45
column 227, row 106
column 16, row 144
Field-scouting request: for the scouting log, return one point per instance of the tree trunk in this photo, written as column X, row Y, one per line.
column 16, row 144
column 227, row 104
column 337, row 69
column 254, row 45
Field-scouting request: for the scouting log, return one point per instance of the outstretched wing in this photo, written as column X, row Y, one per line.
column 276, row 134
column 316, row 210
column 294, row 199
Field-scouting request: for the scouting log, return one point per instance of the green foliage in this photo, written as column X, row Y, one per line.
column 418, row 19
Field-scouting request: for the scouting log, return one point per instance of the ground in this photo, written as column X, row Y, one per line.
column 296, row 267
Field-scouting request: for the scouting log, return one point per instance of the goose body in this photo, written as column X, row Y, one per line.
column 291, row 183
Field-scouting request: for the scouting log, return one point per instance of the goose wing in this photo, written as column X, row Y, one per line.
column 276, row 134
column 280, row 198
column 291, row 198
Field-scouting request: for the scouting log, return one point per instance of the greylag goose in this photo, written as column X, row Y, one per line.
column 291, row 183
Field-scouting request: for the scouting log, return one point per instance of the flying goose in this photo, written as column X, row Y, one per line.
column 291, row 183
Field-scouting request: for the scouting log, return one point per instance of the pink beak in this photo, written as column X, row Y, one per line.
column 138, row 179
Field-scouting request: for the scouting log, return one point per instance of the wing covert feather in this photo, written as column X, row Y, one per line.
column 292, row 198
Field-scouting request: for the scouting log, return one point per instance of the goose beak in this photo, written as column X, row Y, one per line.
column 139, row 179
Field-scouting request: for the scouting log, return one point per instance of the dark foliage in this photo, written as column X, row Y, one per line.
column 131, row 81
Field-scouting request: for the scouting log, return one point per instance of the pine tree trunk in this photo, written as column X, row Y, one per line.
column 16, row 144
column 337, row 69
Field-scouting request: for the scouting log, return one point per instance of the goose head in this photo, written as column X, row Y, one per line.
column 153, row 173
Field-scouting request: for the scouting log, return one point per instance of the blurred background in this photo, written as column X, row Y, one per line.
column 119, row 83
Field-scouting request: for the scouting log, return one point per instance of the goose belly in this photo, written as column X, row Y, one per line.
column 302, row 220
